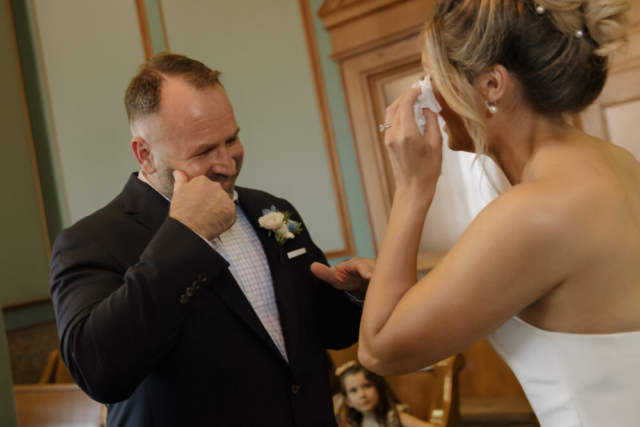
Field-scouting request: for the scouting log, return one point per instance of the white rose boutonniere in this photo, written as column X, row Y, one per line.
column 279, row 224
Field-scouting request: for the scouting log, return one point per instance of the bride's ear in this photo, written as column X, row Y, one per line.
column 492, row 83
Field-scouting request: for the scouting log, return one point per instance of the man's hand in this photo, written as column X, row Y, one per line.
column 202, row 205
column 352, row 275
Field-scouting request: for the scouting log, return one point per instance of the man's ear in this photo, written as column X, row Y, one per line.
column 492, row 83
column 142, row 151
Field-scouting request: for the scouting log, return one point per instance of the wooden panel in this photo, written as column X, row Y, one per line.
column 622, row 125
column 486, row 375
column 356, row 73
column 337, row 12
column 56, row 405
column 378, row 28
column 621, row 88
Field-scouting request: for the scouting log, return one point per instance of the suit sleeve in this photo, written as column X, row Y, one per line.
column 115, row 325
column 340, row 316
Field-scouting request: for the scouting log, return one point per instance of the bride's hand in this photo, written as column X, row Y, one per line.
column 416, row 160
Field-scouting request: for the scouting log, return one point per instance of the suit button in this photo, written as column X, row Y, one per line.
column 295, row 389
column 195, row 284
column 184, row 299
column 190, row 292
column 202, row 277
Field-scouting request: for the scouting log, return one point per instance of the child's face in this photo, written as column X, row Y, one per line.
column 361, row 393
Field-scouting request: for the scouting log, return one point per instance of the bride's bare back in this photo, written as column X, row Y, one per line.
column 597, row 186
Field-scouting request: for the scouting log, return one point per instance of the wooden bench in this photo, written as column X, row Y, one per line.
column 57, row 400
column 48, row 405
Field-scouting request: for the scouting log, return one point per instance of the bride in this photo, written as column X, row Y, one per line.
column 551, row 268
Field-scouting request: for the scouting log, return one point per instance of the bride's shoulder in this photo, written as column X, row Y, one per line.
column 539, row 209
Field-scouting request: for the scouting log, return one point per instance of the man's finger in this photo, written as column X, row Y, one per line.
column 181, row 179
column 364, row 270
column 323, row 272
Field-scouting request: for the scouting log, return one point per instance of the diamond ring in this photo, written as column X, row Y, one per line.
column 385, row 126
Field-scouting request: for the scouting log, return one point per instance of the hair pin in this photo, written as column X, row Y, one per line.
column 579, row 34
column 540, row 10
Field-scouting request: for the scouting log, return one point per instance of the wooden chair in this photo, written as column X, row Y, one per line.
column 55, row 372
column 57, row 400
column 431, row 395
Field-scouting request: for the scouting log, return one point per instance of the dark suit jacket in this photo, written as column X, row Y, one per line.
column 133, row 338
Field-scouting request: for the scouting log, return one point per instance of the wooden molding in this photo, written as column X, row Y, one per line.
column 49, row 106
column 339, row 12
column 376, row 26
column 164, row 27
column 327, row 131
column 145, row 34
column 26, row 304
column 357, row 73
column 32, row 148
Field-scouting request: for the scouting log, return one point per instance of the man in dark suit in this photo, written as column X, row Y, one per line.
column 175, row 305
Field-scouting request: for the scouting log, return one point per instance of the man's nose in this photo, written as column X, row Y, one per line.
column 223, row 163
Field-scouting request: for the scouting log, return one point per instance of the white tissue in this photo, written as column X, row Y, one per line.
column 425, row 100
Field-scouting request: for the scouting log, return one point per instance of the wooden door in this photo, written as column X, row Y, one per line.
column 615, row 116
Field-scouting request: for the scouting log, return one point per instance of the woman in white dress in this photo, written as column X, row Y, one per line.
column 551, row 268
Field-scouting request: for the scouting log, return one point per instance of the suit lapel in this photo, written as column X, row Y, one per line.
column 150, row 209
column 252, row 203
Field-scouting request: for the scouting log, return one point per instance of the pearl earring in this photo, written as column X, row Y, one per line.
column 540, row 10
column 493, row 108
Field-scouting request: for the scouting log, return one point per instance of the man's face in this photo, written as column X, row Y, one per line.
column 196, row 132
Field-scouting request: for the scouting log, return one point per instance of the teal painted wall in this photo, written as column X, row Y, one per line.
column 39, row 113
column 266, row 73
column 58, row 30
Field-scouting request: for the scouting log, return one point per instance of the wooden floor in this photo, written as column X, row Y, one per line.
column 501, row 412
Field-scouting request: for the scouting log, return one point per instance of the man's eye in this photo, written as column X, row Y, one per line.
column 232, row 141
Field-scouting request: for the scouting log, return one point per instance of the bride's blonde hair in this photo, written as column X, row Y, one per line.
column 559, row 70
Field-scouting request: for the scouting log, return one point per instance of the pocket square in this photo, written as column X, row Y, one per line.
column 296, row 253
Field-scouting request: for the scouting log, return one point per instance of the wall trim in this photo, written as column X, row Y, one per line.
column 54, row 131
column 328, row 134
column 145, row 34
column 21, row 305
column 164, row 27
column 32, row 148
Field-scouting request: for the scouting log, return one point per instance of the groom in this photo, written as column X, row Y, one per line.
column 174, row 306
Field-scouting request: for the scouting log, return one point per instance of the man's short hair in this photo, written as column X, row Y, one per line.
column 142, row 97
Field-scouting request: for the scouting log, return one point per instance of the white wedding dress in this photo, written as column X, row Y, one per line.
column 574, row 380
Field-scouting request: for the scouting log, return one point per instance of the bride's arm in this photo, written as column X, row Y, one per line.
column 513, row 253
